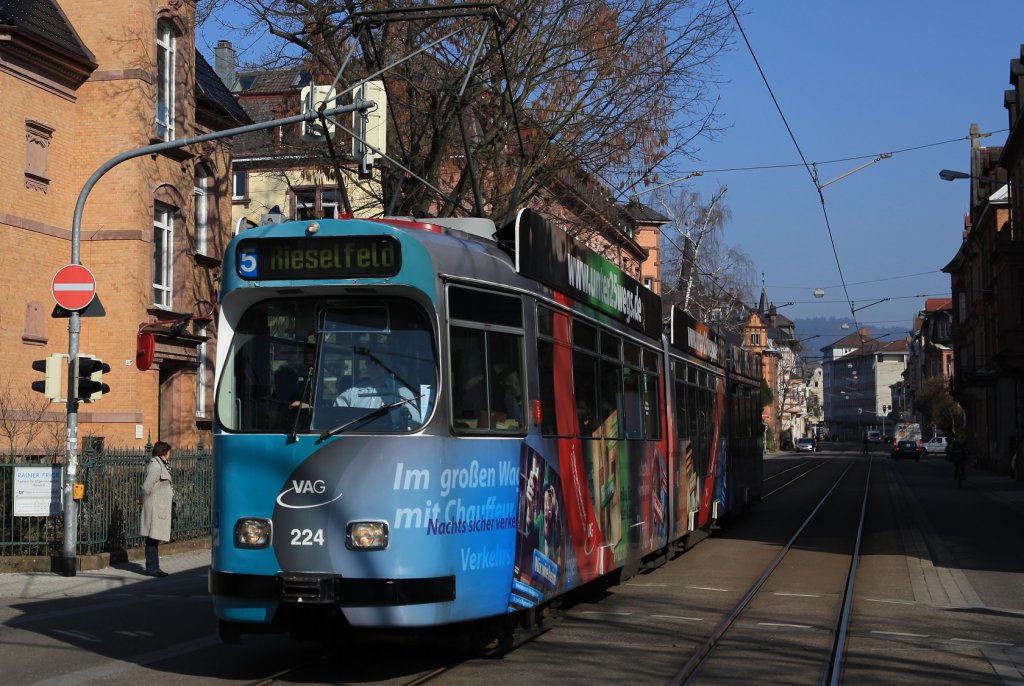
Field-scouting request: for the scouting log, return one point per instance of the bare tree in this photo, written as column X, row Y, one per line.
column 22, row 418
column 701, row 273
column 613, row 87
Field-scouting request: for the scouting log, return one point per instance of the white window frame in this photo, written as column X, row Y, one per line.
column 329, row 208
column 163, row 252
column 202, row 211
column 237, row 176
column 166, row 45
column 201, row 374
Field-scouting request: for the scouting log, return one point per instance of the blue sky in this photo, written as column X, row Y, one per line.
column 858, row 79
column 853, row 79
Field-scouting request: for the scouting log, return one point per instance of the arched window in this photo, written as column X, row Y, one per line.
column 163, row 254
column 165, row 77
column 202, row 211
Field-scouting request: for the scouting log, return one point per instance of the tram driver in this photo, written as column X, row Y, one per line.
column 377, row 388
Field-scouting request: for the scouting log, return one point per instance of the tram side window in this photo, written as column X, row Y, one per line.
column 585, row 379
column 610, row 399
column 632, row 396
column 546, row 374
column 682, row 428
column 551, row 326
column 486, row 342
column 651, row 407
column 640, row 398
column 632, row 384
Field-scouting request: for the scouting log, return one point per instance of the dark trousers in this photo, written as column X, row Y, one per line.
column 152, row 555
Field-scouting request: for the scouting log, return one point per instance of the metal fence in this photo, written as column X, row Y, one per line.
column 108, row 515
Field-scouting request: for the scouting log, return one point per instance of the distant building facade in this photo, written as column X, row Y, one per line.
column 987, row 278
column 858, row 371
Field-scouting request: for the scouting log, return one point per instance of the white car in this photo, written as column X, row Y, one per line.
column 935, row 445
column 804, row 445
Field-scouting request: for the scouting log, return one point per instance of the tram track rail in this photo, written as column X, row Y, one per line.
column 804, row 468
column 832, row 664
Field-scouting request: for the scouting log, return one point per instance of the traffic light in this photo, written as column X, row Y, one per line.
column 51, row 385
column 89, row 372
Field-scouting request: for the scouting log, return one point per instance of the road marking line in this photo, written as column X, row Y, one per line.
column 79, row 634
column 709, row 588
column 799, row 595
column 787, row 626
column 688, row 619
column 892, row 602
column 900, row 633
column 987, row 643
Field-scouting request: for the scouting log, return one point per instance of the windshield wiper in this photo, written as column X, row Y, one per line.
column 372, row 414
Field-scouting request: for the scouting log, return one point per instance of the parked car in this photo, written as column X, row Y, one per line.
column 936, row 444
column 805, row 445
column 907, row 449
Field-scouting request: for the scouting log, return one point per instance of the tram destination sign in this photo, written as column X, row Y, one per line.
column 303, row 258
column 549, row 255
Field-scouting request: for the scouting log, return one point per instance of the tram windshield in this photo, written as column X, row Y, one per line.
column 317, row 365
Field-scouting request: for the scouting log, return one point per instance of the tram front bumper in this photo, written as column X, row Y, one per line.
column 323, row 589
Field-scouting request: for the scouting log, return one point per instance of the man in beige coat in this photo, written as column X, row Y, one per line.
column 157, row 495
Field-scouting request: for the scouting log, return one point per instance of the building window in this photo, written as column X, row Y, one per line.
column 201, row 385
column 202, row 210
column 165, row 71
column 239, row 185
column 163, row 252
column 316, row 203
column 755, row 338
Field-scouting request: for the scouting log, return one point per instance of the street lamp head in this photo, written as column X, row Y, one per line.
column 950, row 175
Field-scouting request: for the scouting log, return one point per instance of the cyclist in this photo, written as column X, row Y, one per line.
column 958, row 456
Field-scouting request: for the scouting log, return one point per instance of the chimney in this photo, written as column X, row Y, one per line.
column 226, row 64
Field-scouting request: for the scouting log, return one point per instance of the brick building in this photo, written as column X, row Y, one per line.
column 987, row 277
column 82, row 82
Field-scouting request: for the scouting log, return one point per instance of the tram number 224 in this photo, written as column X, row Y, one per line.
column 307, row 537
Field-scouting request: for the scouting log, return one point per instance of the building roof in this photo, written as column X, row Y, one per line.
column 44, row 20
column 215, row 94
column 938, row 304
column 853, row 340
column 639, row 212
column 266, row 81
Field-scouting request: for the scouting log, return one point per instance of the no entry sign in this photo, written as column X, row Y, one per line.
column 73, row 287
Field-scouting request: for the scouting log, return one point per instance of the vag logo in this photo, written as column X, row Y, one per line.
column 305, row 494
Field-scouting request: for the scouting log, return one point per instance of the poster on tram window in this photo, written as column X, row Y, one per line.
column 37, row 491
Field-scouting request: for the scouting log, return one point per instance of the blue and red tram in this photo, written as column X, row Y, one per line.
column 421, row 423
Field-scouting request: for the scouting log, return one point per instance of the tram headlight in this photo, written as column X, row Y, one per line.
column 253, row 532
column 366, row 536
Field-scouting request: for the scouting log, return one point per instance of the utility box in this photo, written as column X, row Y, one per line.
column 370, row 127
column 312, row 97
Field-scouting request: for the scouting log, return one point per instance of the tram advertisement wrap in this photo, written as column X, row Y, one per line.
column 451, row 510
column 542, row 545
